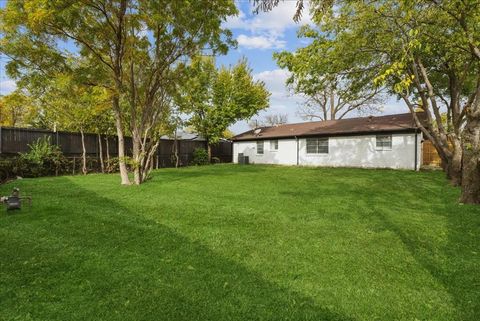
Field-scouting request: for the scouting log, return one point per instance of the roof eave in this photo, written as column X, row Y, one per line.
column 356, row 133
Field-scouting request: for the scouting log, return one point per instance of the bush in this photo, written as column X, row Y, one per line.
column 112, row 165
column 8, row 168
column 43, row 159
column 200, row 156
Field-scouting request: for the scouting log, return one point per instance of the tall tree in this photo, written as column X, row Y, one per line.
column 329, row 92
column 425, row 52
column 69, row 105
column 217, row 98
column 132, row 46
column 269, row 120
column 17, row 110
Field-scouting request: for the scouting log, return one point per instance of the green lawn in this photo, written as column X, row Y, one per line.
column 228, row 242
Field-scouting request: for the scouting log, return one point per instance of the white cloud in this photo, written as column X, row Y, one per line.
column 236, row 22
column 275, row 21
column 7, row 86
column 260, row 42
column 275, row 82
column 267, row 28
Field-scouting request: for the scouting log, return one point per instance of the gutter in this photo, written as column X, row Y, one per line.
column 416, row 150
column 296, row 139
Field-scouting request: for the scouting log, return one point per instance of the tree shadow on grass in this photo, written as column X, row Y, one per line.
column 192, row 172
column 455, row 264
column 99, row 260
column 453, row 260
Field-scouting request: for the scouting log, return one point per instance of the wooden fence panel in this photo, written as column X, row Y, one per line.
column 430, row 155
column 223, row 151
column 16, row 140
column 71, row 143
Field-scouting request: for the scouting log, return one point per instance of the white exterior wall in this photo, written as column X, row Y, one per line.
column 285, row 155
column 343, row 151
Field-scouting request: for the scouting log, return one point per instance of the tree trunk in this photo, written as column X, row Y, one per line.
column 137, row 158
column 209, row 150
column 100, row 153
column 332, row 105
column 177, row 158
column 121, row 143
column 107, row 152
column 451, row 155
column 454, row 170
column 147, row 165
column 175, row 150
column 471, row 158
column 84, row 153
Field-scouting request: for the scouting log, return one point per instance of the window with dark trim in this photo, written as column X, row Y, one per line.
column 274, row 144
column 259, row 146
column 384, row 142
column 317, row 145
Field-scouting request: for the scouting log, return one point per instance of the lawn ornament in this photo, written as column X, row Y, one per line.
column 14, row 201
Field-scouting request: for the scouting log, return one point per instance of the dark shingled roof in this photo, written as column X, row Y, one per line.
column 349, row 126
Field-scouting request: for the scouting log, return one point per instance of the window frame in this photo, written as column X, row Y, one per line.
column 263, row 147
column 320, row 145
column 274, row 145
column 384, row 145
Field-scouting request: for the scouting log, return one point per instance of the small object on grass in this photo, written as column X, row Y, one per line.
column 14, row 201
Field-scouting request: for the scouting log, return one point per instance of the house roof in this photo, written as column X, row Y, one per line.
column 349, row 126
column 182, row 135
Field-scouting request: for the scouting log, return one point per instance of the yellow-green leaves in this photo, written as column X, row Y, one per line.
column 216, row 98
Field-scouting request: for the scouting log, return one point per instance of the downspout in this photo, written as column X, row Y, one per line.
column 416, row 150
column 296, row 138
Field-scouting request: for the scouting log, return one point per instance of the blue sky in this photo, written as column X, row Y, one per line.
column 258, row 36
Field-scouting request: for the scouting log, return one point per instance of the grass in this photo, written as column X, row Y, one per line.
column 228, row 242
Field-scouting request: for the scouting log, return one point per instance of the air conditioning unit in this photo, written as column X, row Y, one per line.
column 243, row 160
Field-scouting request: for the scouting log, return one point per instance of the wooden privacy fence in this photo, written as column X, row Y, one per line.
column 17, row 140
column 430, row 155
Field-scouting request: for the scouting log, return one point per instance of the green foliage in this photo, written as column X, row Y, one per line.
column 112, row 165
column 43, row 159
column 130, row 50
column 217, row 98
column 426, row 53
column 240, row 243
column 17, row 110
column 9, row 168
column 331, row 87
column 200, row 157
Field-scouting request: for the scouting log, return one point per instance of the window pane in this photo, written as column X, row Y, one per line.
column 274, row 144
column 311, row 145
column 259, row 147
column 384, row 142
column 317, row 145
column 323, row 146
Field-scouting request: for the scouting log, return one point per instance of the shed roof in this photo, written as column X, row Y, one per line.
column 359, row 125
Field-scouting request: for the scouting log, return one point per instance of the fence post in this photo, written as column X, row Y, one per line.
column 17, row 139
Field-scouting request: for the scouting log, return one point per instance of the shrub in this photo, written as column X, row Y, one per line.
column 112, row 165
column 43, row 159
column 8, row 168
column 200, row 156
